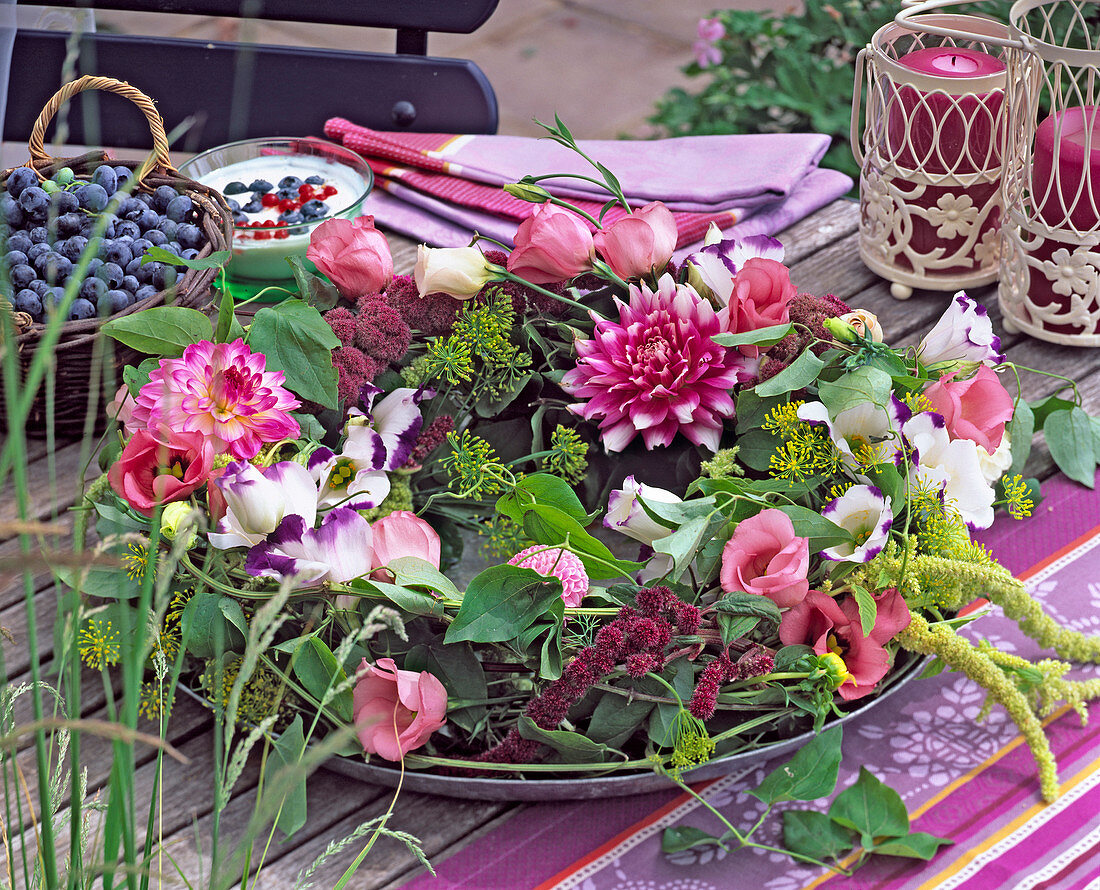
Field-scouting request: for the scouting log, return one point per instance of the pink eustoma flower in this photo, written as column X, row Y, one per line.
column 552, row 245
column 761, row 297
column 766, row 557
column 402, row 533
column 396, row 711
column 639, row 244
column 824, row 624
column 976, row 408
column 353, row 254
column 656, row 371
column 223, row 391
column 150, row 472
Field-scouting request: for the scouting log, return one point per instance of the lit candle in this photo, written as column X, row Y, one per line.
column 1065, row 175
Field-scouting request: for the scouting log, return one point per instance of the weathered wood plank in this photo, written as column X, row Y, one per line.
column 51, row 484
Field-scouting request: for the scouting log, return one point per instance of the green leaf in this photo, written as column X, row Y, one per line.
column 749, row 604
column 855, row 388
column 752, row 409
column 500, row 603
column 572, row 746
column 228, row 328
column 1020, row 430
column 662, row 716
column 684, row 837
column 810, row 524
column 616, row 718
column 415, row 602
column 411, row 571
column 1069, row 437
column 918, row 845
column 159, row 255
column 108, row 584
column 136, row 377
column 286, row 753
column 810, row 774
column 798, row 374
column 204, row 620
column 317, row 292
column 298, row 342
column 162, row 330
column 762, row 337
column 734, row 627
column 684, row 543
column 756, row 447
column 814, row 834
column 551, row 526
column 871, row 809
column 459, row 669
column 1043, row 408
column 868, row 608
column 317, row 670
column 542, row 488
column 309, row 426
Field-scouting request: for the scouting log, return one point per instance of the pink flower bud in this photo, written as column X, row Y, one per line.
column 353, row 254
column 637, row 244
column 552, row 245
column 396, row 711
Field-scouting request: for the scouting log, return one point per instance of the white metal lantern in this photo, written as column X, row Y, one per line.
column 930, row 151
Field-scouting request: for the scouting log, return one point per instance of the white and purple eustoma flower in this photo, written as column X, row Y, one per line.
column 258, row 500
column 950, row 466
column 339, row 550
column 384, row 436
column 712, row 269
column 626, row 515
column 867, row 514
column 864, row 434
column 345, row 481
column 964, row 333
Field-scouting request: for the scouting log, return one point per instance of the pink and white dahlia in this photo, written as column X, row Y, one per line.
column 657, row 371
column 223, row 391
column 554, row 562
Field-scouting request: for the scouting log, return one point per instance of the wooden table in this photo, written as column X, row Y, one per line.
column 822, row 253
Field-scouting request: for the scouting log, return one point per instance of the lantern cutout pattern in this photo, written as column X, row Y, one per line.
column 930, row 152
column 1050, row 267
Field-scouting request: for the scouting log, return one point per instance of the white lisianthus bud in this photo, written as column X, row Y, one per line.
column 458, row 271
column 865, row 324
column 178, row 518
column 627, row 516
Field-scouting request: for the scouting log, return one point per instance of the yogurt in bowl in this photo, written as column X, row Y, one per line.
column 280, row 190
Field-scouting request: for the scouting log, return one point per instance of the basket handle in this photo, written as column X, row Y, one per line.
column 159, row 157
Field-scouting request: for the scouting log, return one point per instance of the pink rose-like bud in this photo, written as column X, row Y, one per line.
column 640, row 242
column 552, row 245
column 976, row 409
column 402, row 533
column 762, row 294
column 353, row 254
column 457, row 271
column 765, row 556
column 396, row 711
column 150, row 472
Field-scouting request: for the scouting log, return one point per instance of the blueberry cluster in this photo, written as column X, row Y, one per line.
column 45, row 228
column 294, row 197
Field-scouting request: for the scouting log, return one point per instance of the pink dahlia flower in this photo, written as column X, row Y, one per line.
column 222, row 391
column 657, row 371
column 556, row 563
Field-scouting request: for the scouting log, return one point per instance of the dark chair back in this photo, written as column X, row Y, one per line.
column 235, row 91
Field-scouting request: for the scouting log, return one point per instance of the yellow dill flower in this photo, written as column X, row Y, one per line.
column 485, row 328
column 692, row 745
column 568, row 457
column 819, row 449
column 783, row 419
column 260, row 696
column 136, row 561
column 789, row 461
column 176, row 605
column 504, row 537
column 416, row 373
column 99, row 644
column 473, row 466
column 1020, row 506
column 154, row 700
column 837, row 490
column 450, row 359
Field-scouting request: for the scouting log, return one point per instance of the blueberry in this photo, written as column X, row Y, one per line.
column 130, row 283
column 19, row 241
column 12, row 212
column 163, row 195
column 94, row 264
column 111, row 273
column 148, row 219
column 20, row 179
column 133, row 268
column 287, row 194
column 35, row 251
column 179, row 208
column 53, row 297
column 28, row 301
column 117, row 252
column 92, row 197
column 234, row 188
column 81, row 308
column 290, row 182
column 119, row 300
column 145, row 199
column 291, row 217
column 169, row 227
column 130, row 207
column 14, row 258
column 92, row 288
column 64, row 202
column 39, row 235
column 190, row 236
column 315, row 180
column 143, row 272
column 53, row 267
column 233, row 205
column 260, row 185
column 104, row 175
column 163, row 276
column 239, row 218
column 35, row 202
column 145, row 292
column 124, row 174
column 127, row 228
column 253, row 206
column 139, row 245
column 189, row 253
column 314, row 209
column 111, row 225
column 73, row 247
column 70, row 224
column 156, row 237
column 21, row 276
column 64, row 176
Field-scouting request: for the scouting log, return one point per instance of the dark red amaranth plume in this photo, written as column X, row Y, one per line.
column 810, row 311
column 433, row 314
column 526, row 300
column 355, row 370
column 380, row 331
column 430, row 438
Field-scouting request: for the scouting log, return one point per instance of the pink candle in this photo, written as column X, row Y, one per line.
column 1068, row 143
column 950, row 129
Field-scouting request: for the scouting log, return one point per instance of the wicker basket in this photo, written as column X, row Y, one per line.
column 73, row 362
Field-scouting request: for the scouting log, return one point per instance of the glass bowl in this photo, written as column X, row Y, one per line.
column 260, row 251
